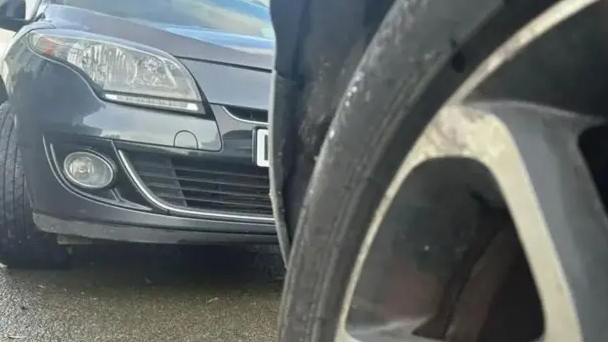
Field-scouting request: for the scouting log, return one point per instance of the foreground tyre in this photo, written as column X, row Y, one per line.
column 459, row 196
column 21, row 244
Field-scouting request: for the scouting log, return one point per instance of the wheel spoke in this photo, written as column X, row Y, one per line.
column 556, row 208
column 375, row 335
column 533, row 154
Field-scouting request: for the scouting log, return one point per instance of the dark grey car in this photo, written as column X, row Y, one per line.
column 133, row 120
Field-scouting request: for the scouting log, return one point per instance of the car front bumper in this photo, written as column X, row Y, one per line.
column 216, row 194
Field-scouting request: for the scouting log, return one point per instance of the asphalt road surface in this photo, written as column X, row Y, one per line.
column 143, row 293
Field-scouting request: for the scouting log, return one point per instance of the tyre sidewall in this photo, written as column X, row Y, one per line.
column 22, row 245
column 390, row 99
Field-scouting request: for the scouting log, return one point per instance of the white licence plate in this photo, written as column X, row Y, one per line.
column 261, row 148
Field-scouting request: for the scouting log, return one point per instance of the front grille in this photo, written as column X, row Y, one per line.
column 248, row 113
column 204, row 184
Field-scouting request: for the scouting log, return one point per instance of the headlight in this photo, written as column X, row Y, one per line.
column 122, row 71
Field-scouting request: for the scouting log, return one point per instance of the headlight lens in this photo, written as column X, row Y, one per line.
column 130, row 74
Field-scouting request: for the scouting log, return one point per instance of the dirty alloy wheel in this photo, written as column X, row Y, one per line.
column 22, row 245
column 484, row 220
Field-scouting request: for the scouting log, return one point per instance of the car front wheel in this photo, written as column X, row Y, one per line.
column 21, row 244
column 460, row 195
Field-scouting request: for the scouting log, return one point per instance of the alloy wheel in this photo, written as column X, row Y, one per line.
column 504, row 189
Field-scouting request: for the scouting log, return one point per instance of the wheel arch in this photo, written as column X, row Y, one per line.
column 312, row 63
column 315, row 62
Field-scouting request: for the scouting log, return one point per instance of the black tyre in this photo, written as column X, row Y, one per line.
column 438, row 210
column 21, row 244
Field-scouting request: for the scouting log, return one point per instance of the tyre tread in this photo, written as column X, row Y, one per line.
column 21, row 244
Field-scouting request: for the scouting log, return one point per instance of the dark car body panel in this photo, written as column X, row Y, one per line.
column 57, row 109
column 140, row 234
column 229, row 85
column 313, row 63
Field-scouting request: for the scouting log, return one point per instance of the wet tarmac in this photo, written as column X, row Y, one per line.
column 144, row 293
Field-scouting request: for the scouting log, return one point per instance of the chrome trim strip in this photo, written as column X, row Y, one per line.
column 230, row 114
column 192, row 212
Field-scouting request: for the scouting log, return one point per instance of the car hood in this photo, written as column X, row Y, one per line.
column 254, row 45
column 184, row 42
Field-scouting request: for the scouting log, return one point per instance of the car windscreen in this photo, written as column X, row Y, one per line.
column 243, row 17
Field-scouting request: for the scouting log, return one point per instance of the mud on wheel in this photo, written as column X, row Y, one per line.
column 460, row 191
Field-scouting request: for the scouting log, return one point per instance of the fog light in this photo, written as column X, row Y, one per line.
column 88, row 170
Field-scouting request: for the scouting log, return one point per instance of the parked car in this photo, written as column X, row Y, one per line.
column 133, row 120
column 438, row 169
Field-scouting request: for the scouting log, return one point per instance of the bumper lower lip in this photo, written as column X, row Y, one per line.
column 143, row 234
